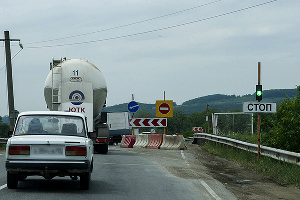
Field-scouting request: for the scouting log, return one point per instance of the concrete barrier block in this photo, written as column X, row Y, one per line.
column 128, row 141
column 155, row 141
column 173, row 142
column 168, row 142
column 142, row 140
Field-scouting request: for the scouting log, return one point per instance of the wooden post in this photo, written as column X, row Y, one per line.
column 164, row 100
column 132, row 116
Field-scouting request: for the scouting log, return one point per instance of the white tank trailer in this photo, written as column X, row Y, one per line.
column 78, row 86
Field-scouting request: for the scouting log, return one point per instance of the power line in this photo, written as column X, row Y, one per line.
column 130, row 24
column 155, row 30
column 21, row 46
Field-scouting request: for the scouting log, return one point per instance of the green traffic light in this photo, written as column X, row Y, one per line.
column 258, row 93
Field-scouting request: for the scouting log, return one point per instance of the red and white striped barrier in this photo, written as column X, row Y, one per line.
column 127, row 141
column 148, row 122
column 155, row 141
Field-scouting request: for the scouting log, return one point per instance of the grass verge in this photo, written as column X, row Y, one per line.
column 285, row 173
column 2, row 146
column 246, row 137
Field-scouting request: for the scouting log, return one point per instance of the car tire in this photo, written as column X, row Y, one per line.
column 92, row 166
column 85, row 180
column 12, row 181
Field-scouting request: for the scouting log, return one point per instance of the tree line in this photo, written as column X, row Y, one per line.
column 4, row 129
column 282, row 129
column 279, row 130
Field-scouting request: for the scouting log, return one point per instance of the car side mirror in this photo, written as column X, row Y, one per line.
column 10, row 133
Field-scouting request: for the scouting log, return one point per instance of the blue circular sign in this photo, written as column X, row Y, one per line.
column 76, row 97
column 133, row 106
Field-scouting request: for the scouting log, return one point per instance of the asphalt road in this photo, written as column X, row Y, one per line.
column 127, row 173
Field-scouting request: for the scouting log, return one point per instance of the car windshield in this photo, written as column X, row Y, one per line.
column 53, row 125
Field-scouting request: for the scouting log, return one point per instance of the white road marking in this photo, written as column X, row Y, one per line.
column 209, row 190
column 182, row 154
column 3, row 186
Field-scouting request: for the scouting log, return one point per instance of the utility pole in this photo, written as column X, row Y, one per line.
column 12, row 111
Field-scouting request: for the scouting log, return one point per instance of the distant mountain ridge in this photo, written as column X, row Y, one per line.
column 221, row 102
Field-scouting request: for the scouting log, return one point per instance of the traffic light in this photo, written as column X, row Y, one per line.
column 258, row 92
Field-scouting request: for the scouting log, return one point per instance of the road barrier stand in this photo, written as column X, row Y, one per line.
column 153, row 141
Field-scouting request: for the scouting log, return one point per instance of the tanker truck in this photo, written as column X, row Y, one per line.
column 78, row 86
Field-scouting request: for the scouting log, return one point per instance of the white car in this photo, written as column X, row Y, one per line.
column 49, row 144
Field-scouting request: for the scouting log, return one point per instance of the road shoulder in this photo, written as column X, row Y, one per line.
column 244, row 183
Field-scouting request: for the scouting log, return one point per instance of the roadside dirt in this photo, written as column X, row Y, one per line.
column 243, row 183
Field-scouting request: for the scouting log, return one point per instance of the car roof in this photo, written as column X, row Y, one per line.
column 52, row 113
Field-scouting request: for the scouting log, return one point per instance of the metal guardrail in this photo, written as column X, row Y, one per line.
column 3, row 140
column 286, row 156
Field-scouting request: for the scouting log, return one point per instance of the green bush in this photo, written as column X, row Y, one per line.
column 282, row 129
column 4, row 129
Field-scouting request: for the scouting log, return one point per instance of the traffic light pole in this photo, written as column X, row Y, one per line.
column 258, row 121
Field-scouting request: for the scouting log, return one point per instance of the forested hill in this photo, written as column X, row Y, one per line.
column 220, row 102
column 223, row 102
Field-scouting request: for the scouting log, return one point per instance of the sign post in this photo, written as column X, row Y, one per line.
column 164, row 108
column 258, row 120
column 133, row 107
column 259, row 107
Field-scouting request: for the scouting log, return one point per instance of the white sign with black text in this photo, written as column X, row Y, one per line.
column 259, row 107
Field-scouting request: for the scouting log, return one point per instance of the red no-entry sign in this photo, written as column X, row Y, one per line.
column 164, row 108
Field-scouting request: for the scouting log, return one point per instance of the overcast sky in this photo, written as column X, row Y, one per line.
column 187, row 48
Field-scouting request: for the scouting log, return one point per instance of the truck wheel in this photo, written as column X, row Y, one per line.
column 12, row 181
column 104, row 149
column 85, row 180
